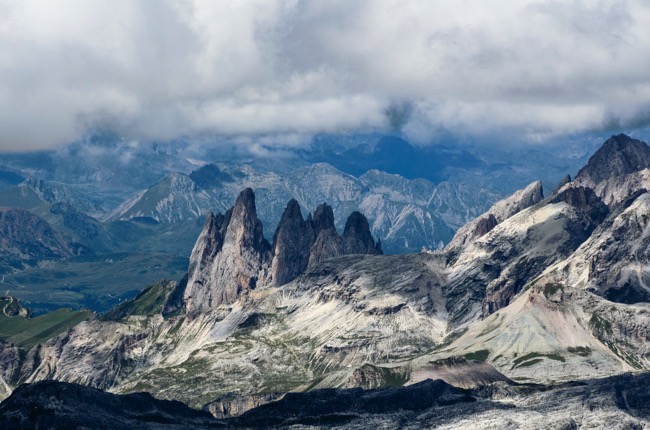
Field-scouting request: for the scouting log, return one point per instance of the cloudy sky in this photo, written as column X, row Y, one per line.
column 167, row 69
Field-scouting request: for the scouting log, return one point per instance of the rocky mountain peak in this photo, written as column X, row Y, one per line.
column 229, row 258
column 484, row 225
column 357, row 238
column 327, row 242
column 291, row 212
column 245, row 226
column 291, row 245
column 26, row 238
column 298, row 243
column 245, row 204
column 323, row 218
column 584, row 199
column 619, row 155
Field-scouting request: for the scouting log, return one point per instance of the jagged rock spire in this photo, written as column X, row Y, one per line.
column 561, row 184
column 291, row 244
column 229, row 258
column 298, row 243
column 357, row 238
column 327, row 242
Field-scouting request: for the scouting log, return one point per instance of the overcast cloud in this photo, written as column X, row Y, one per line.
column 165, row 69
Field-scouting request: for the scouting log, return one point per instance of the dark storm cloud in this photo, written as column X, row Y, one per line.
column 165, row 69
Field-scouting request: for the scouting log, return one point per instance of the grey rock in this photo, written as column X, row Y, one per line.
column 585, row 200
column 357, row 238
column 10, row 365
column 484, row 225
column 292, row 242
column 619, row 155
column 232, row 258
column 229, row 259
column 499, row 212
column 28, row 239
column 611, row 261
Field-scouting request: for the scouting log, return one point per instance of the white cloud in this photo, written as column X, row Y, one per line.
column 165, row 69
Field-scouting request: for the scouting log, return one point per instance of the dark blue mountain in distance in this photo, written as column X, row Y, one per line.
column 9, row 178
column 392, row 154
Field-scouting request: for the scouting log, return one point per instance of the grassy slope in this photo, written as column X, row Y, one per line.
column 149, row 302
column 27, row 332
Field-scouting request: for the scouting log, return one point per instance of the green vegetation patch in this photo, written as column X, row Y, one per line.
column 583, row 351
column 530, row 363
column 556, row 357
column 535, row 357
column 551, row 289
column 26, row 332
column 450, row 339
column 600, row 324
column 149, row 302
column 392, row 377
column 623, row 355
column 480, row 355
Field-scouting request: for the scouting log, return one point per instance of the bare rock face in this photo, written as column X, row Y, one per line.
column 9, row 367
column 291, row 245
column 232, row 405
column 229, row 259
column 499, row 212
column 612, row 262
column 327, row 242
column 231, row 256
column 619, row 169
column 619, row 155
column 585, row 200
column 27, row 239
column 484, row 225
column 357, row 238
column 517, row 250
column 299, row 244
column 369, row 377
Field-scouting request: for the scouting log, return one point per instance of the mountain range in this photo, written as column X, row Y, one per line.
column 520, row 315
column 136, row 208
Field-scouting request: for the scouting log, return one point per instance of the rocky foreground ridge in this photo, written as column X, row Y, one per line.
column 536, row 290
column 616, row 402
